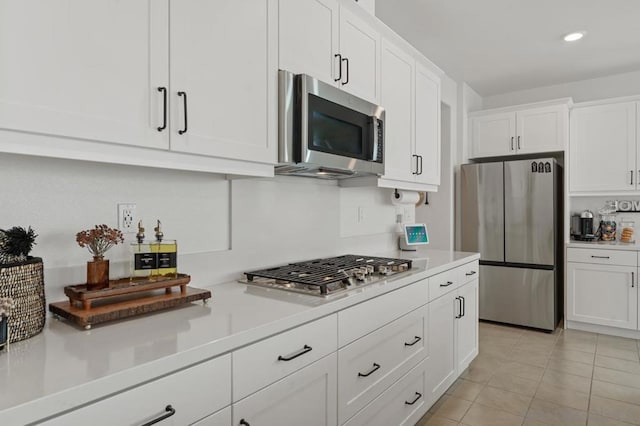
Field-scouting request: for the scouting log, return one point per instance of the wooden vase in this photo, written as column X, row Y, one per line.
column 97, row 274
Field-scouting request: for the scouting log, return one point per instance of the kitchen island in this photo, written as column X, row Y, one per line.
column 64, row 373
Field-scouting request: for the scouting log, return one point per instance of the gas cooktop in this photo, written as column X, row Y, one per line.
column 329, row 276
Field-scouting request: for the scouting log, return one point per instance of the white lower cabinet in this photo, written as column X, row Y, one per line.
column 403, row 403
column 453, row 336
column 181, row 399
column 371, row 364
column 306, row 397
column 221, row 418
column 602, row 294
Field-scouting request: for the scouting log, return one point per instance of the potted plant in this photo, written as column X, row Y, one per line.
column 21, row 284
column 98, row 241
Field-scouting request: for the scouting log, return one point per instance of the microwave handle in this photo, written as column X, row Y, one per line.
column 374, row 138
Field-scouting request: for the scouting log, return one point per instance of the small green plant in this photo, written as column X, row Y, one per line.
column 16, row 244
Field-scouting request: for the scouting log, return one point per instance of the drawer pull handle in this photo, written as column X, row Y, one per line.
column 370, row 372
column 600, row 257
column 295, row 355
column 170, row 411
column 447, row 284
column 417, row 339
column 418, row 396
column 470, row 273
column 243, row 422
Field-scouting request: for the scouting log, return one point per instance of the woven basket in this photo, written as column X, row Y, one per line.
column 24, row 283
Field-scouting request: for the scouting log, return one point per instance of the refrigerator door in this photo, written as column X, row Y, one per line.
column 482, row 206
column 529, row 211
column 519, row 296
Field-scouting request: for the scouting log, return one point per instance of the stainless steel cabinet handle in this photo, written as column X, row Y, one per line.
column 447, row 284
column 370, row 372
column 170, row 411
column 600, row 257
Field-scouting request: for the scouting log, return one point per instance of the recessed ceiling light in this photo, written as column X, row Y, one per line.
column 574, row 36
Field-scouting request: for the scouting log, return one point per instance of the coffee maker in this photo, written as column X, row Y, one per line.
column 582, row 226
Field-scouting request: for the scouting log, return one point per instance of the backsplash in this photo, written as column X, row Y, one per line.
column 230, row 226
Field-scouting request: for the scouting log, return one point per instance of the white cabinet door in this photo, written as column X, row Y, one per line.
column 359, row 47
column 159, row 398
column 442, row 359
column 493, row 135
column 308, row 46
column 602, row 294
column 224, row 63
column 427, row 125
column 542, row 129
column 307, row 397
column 467, row 325
column 396, row 83
column 221, row 418
column 602, row 153
column 85, row 70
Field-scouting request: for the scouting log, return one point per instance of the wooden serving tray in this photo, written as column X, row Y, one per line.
column 125, row 298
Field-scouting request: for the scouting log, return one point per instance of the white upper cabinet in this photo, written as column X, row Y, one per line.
column 111, row 77
column 86, row 70
column 397, row 98
column 427, row 125
column 410, row 95
column 359, row 47
column 332, row 43
column 524, row 130
column 223, row 78
column 603, row 148
column 310, row 46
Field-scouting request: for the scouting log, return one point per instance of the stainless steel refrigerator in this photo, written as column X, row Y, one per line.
column 511, row 213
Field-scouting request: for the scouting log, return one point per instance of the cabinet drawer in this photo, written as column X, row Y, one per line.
column 262, row 363
column 362, row 319
column 221, row 418
column 193, row 393
column 371, row 364
column 602, row 256
column 468, row 272
column 443, row 283
column 402, row 404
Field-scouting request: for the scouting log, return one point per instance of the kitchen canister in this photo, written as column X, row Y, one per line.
column 24, row 283
column 627, row 231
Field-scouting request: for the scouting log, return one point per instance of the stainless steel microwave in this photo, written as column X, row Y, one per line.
column 326, row 132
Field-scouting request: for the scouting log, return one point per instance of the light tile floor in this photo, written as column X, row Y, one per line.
column 524, row 377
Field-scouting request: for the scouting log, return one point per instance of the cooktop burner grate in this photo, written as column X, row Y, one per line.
column 328, row 275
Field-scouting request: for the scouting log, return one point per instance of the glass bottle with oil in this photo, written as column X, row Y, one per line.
column 144, row 262
column 166, row 252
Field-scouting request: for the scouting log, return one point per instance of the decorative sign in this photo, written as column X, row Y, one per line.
column 627, row 206
column 540, row 167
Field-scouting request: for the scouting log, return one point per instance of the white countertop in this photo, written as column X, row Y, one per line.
column 65, row 366
column 609, row 245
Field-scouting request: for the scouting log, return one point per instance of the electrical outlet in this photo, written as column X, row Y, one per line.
column 127, row 218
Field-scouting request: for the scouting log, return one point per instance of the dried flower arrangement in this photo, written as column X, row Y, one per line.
column 99, row 239
column 6, row 306
column 16, row 244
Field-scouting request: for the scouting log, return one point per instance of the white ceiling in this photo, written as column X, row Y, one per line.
column 499, row 46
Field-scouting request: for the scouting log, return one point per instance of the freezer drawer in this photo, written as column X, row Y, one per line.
column 518, row 296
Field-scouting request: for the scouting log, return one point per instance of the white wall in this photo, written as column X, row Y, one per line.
column 229, row 226
column 585, row 90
